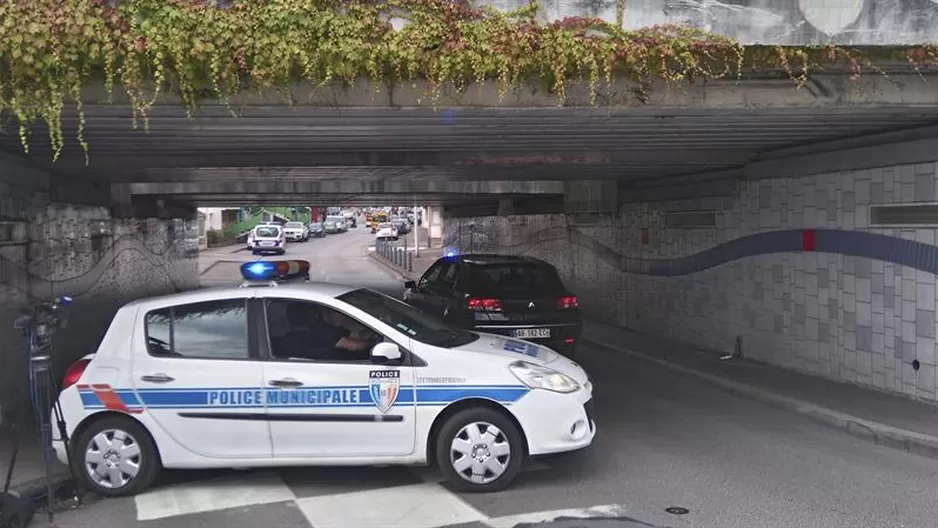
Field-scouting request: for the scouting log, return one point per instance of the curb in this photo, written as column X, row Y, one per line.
column 37, row 487
column 875, row 432
column 390, row 267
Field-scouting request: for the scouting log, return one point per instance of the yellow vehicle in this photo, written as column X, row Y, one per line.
column 379, row 217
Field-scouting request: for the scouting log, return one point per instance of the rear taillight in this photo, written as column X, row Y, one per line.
column 485, row 305
column 568, row 301
column 74, row 373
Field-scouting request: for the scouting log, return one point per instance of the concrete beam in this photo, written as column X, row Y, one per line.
column 348, row 186
column 753, row 90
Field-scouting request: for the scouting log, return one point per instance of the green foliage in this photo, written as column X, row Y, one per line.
column 51, row 50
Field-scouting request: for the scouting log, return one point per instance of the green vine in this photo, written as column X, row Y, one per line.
column 51, row 51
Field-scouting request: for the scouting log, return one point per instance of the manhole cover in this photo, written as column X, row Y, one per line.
column 677, row 510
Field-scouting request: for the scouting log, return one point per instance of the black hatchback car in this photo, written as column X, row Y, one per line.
column 520, row 297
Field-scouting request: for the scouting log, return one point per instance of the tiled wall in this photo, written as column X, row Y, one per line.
column 860, row 307
column 49, row 249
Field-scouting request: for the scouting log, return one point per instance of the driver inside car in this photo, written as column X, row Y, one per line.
column 320, row 334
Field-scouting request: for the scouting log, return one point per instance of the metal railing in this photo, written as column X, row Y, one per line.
column 396, row 255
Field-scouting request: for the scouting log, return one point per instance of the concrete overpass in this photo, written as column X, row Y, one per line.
column 722, row 212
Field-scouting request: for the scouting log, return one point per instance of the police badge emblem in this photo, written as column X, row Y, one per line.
column 384, row 386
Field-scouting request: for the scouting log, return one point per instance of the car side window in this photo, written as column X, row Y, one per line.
column 432, row 274
column 205, row 330
column 304, row 330
column 447, row 278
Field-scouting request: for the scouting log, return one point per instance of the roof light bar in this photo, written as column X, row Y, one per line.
column 273, row 270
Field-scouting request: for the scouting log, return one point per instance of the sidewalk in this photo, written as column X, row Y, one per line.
column 29, row 473
column 879, row 417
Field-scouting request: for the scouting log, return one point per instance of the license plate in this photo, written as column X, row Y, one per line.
column 267, row 243
column 533, row 333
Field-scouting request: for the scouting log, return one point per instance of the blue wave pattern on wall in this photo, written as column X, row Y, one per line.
column 886, row 248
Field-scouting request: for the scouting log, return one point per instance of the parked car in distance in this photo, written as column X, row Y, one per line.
column 403, row 227
column 386, row 231
column 339, row 222
column 316, row 230
column 267, row 239
column 296, row 232
column 331, row 227
column 521, row 297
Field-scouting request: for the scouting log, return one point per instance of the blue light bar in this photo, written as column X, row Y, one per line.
column 259, row 271
column 268, row 270
column 450, row 253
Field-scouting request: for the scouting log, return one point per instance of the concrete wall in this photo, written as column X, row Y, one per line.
column 791, row 268
column 49, row 249
column 767, row 21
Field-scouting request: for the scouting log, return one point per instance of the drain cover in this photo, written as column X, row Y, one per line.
column 677, row 510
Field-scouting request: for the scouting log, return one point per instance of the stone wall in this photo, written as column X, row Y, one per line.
column 785, row 22
column 791, row 270
column 50, row 249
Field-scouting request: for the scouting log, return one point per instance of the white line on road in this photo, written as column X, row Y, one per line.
column 417, row 506
column 211, row 495
column 593, row 512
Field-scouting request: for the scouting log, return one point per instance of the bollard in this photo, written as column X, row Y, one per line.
column 410, row 262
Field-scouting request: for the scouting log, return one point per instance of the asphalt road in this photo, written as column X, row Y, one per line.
column 664, row 440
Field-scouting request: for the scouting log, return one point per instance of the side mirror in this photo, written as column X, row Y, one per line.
column 386, row 353
column 410, row 285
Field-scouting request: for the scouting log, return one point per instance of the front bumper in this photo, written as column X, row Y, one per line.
column 295, row 236
column 556, row 423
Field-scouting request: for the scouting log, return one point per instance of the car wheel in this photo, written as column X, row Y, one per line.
column 115, row 457
column 254, row 252
column 479, row 450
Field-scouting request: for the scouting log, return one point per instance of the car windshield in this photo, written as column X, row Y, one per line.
column 408, row 320
column 385, row 225
column 315, row 226
column 294, row 225
column 335, row 219
column 267, row 231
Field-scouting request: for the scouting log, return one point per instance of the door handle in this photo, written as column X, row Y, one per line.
column 288, row 382
column 157, row 378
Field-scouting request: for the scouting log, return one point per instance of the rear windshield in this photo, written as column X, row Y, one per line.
column 385, row 225
column 267, row 231
column 294, row 225
column 520, row 277
column 335, row 219
column 314, row 226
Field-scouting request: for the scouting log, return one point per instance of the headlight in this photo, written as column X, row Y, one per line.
column 538, row 377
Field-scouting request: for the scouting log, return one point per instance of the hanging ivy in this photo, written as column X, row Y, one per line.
column 53, row 50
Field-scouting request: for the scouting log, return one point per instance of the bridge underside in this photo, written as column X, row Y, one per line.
column 726, row 130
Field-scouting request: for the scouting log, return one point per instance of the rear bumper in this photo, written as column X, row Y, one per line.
column 562, row 335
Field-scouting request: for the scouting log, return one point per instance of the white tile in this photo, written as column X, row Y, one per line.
column 508, row 521
column 425, row 505
column 211, row 495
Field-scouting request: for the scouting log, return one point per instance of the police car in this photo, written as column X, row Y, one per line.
column 234, row 377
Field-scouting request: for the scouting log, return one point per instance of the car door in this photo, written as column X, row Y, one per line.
column 419, row 297
column 441, row 291
column 334, row 407
column 197, row 374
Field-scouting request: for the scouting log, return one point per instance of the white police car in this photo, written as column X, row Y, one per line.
column 231, row 377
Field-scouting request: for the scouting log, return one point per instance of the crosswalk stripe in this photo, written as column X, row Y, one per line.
column 509, row 521
column 424, row 505
column 211, row 495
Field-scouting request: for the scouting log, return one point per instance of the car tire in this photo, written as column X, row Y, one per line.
column 459, row 429
column 254, row 252
column 95, row 438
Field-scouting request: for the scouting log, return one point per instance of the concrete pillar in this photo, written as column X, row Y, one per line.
column 434, row 223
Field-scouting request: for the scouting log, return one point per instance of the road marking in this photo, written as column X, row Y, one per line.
column 416, row 506
column 604, row 511
column 211, row 495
